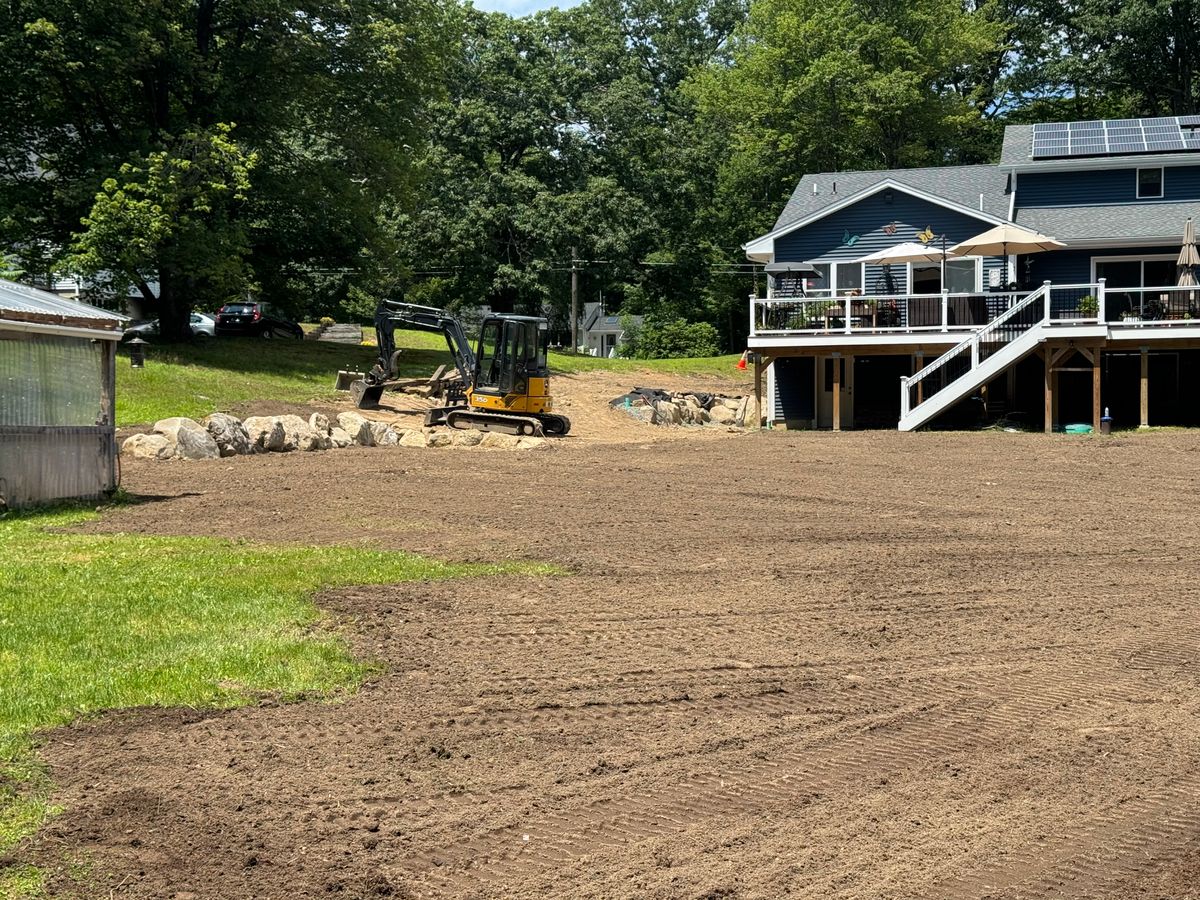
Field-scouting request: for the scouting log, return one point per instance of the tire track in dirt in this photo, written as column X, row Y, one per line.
column 1116, row 844
column 953, row 720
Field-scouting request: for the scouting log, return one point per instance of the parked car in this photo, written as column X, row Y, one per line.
column 256, row 320
column 203, row 326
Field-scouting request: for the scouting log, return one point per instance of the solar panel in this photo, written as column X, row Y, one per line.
column 1106, row 137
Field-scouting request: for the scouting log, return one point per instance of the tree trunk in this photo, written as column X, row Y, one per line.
column 174, row 307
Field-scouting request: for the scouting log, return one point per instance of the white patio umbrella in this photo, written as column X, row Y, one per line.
column 909, row 251
column 1005, row 239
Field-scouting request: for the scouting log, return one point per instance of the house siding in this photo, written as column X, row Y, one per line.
column 824, row 240
column 1100, row 186
column 793, row 380
column 1075, row 266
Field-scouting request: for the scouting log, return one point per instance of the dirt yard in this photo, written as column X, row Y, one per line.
column 866, row 665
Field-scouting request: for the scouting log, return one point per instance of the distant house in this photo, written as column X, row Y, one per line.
column 601, row 331
column 1098, row 318
column 57, row 397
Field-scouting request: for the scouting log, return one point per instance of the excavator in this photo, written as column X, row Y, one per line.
column 504, row 385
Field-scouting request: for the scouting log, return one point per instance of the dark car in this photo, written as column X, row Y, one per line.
column 256, row 320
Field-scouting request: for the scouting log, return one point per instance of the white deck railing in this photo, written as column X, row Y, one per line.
column 878, row 313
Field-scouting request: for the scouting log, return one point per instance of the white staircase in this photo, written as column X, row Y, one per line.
column 1003, row 342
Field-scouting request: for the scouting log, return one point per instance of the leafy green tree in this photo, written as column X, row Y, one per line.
column 175, row 215
column 667, row 338
column 329, row 97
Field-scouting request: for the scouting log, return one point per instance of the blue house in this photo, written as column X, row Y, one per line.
column 1040, row 332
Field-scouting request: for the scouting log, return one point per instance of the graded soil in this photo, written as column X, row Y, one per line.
column 865, row 665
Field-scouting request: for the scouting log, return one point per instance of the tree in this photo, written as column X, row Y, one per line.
column 826, row 85
column 326, row 94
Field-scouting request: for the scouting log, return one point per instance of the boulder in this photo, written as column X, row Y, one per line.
column 148, row 446
column 533, row 443
column 190, row 439
column 231, row 437
column 721, row 414
column 440, row 439
column 647, row 414
column 265, row 432
column 496, row 440
column 731, row 403
column 668, row 413
column 357, row 427
column 466, row 437
column 414, row 439
column 748, row 415
column 383, row 435
column 319, row 422
column 298, row 435
column 339, row 438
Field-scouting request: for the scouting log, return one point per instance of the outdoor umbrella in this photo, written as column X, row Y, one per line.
column 1005, row 239
column 908, row 252
column 1189, row 258
column 902, row 253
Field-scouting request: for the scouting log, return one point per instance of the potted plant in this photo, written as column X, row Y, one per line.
column 1089, row 307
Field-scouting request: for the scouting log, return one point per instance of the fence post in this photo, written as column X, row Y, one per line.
column 849, row 301
column 975, row 351
column 1101, row 318
column 903, row 396
column 1046, row 287
column 945, row 310
column 753, row 324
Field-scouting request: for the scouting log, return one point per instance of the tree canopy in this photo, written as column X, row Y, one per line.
column 323, row 153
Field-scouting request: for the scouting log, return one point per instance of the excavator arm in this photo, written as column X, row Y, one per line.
column 392, row 314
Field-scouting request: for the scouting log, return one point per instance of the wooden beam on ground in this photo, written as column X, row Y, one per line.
column 1144, row 420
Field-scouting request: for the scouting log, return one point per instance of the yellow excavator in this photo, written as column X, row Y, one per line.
column 503, row 386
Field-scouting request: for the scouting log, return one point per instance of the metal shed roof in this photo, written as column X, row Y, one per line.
column 22, row 303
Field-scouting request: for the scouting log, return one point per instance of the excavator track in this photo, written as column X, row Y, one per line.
column 521, row 426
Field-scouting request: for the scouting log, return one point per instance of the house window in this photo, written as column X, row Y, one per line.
column 848, row 277
column 1149, row 184
column 961, row 276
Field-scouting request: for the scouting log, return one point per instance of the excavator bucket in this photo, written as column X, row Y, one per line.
column 366, row 396
column 345, row 379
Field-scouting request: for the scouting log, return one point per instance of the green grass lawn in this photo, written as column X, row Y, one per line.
column 196, row 379
column 101, row 621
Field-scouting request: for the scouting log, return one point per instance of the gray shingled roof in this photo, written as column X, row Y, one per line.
column 1018, row 144
column 31, row 302
column 958, row 184
column 1137, row 221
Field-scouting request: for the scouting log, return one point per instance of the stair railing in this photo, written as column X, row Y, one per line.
column 972, row 351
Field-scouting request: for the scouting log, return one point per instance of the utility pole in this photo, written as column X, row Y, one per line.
column 574, row 300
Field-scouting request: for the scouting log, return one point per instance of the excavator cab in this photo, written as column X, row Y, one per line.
column 511, row 365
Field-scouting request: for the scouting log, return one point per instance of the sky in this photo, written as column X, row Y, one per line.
column 521, row 7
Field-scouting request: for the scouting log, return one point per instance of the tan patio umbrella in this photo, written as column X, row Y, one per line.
column 1189, row 258
column 1006, row 239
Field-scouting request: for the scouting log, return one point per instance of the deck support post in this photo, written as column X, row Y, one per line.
column 1097, row 412
column 1144, row 419
column 1051, row 400
column 918, row 365
column 837, row 392
column 1010, row 388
